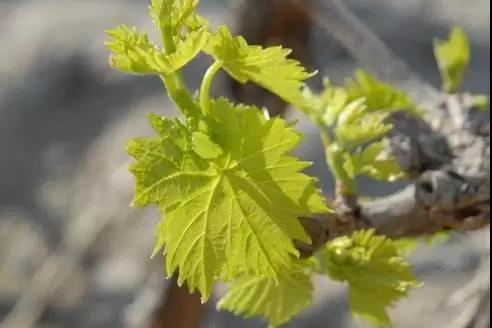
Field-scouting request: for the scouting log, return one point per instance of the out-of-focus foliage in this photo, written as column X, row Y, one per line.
column 453, row 57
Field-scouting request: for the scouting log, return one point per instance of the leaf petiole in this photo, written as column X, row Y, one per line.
column 335, row 160
column 207, row 84
column 175, row 86
column 178, row 92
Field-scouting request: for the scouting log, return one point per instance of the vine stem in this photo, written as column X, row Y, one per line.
column 175, row 86
column 207, row 84
column 334, row 158
column 178, row 92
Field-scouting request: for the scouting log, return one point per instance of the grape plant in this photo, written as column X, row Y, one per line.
column 231, row 195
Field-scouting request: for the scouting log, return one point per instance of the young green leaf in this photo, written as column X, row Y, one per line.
column 374, row 162
column 358, row 116
column 376, row 274
column 453, row 57
column 367, row 127
column 333, row 101
column 277, row 301
column 359, row 98
column 133, row 52
column 268, row 67
column 175, row 14
column 379, row 96
column 187, row 49
column 230, row 195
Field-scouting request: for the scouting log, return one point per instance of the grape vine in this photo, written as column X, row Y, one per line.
column 231, row 195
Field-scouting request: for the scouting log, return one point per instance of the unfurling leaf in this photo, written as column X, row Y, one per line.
column 360, row 131
column 368, row 93
column 376, row 274
column 230, row 195
column 453, row 57
column 357, row 117
column 133, row 52
column 176, row 14
column 374, row 161
column 379, row 96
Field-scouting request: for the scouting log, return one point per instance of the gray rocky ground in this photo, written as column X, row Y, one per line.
column 65, row 116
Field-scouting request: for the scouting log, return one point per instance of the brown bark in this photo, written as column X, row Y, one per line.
column 177, row 308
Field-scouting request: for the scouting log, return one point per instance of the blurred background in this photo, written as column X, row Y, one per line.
column 72, row 252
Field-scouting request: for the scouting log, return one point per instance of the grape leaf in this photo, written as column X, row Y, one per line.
column 332, row 101
column 187, row 49
column 174, row 14
column 453, row 57
column 376, row 274
column 378, row 97
column 277, row 301
column 377, row 94
column 268, row 67
column 358, row 116
column 204, row 146
column 133, row 52
column 231, row 200
column 356, row 125
column 374, row 162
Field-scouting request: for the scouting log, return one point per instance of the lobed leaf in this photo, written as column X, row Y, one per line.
column 278, row 301
column 229, row 192
column 268, row 67
column 133, row 52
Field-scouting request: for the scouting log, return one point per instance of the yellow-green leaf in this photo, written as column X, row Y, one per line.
column 231, row 199
column 379, row 96
column 453, row 57
column 175, row 14
column 278, row 301
column 133, row 52
column 268, row 67
column 204, row 146
column 376, row 274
